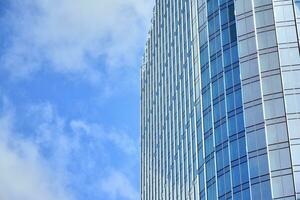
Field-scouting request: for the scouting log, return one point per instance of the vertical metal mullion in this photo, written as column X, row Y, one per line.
column 296, row 26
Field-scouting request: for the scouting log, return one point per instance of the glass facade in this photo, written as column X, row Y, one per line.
column 220, row 107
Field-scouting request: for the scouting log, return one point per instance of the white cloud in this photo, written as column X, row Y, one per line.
column 117, row 185
column 118, row 138
column 75, row 37
column 95, row 40
column 124, row 142
column 36, row 165
column 24, row 174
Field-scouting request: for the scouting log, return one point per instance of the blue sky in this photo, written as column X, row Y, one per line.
column 69, row 98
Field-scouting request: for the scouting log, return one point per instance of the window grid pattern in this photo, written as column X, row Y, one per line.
column 219, row 101
column 287, row 29
column 268, row 48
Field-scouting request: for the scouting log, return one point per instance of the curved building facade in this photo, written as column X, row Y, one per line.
column 220, row 101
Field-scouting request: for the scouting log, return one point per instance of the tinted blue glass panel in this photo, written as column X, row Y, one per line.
column 222, row 2
column 205, row 77
column 231, row 12
column 219, row 160
column 297, row 8
column 238, row 99
column 235, row 176
column 229, row 79
column 246, row 194
column 234, row 54
column 222, row 109
column 227, row 57
column 232, row 125
column 216, row 66
column 263, row 164
column 203, row 37
column 225, row 157
column 233, row 35
column 212, row 6
column 244, row 172
column 266, row 190
column 253, row 165
column 206, row 99
column 211, row 192
column 224, row 16
column 236, row 76
column 227, row 182
column 256, row 192
column 225, row 36
column 215, row 86
column 202, row 182
column 204, row 56
column 221, row 185
column 234, row 150
column 221, row 134
column 209, row 147
column 242, row 145
column 210, row 170
column 237, row 196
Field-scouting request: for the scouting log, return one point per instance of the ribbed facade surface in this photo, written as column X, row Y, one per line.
column 220, row 101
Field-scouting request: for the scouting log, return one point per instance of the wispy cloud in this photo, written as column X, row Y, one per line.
column 44, row 152
column 24, row 173
column 74, row 37
column 116, row 185
column 57, row 156
column 120, row 139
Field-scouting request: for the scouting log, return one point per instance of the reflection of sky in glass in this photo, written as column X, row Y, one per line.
column 297, row 3
column 297, row 12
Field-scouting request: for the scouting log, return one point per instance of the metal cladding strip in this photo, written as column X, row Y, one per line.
column 220, row 101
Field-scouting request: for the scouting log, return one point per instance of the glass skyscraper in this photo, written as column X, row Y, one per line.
column 220, row 101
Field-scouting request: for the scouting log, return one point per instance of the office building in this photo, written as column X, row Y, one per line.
column 220, row 101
